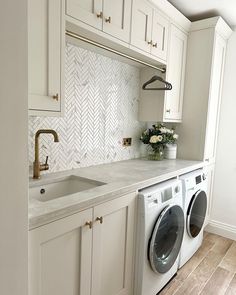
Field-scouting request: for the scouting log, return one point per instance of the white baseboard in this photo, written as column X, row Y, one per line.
column 222, row 229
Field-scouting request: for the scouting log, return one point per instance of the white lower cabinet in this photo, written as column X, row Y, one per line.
column 90, row 252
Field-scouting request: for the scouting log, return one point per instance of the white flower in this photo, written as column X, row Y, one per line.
column 163, row 130
column 168, row 131
column 175, row 136
column 154, row 139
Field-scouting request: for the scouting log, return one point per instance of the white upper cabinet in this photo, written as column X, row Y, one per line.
column 166, row 106
column 175, row 75
column 160, row 29
column 88, row 11
column 117, row 20
column 149, row 29
column 46, row 56
column 111, row 17
column 141, row 33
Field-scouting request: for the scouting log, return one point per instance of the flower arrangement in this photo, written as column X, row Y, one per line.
column 158, row 137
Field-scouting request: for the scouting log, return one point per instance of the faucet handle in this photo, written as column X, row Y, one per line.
column 44, row 166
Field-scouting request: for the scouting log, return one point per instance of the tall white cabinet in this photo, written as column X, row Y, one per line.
column 203, row 90
column 88, row 253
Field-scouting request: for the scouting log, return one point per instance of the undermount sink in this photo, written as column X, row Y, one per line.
column 61, row 188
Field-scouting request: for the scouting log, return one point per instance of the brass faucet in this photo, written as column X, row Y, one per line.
column 37, row 165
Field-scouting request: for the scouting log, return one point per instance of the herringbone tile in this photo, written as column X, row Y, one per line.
column 101, row 100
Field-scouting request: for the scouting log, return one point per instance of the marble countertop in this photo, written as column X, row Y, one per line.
column 120, row 178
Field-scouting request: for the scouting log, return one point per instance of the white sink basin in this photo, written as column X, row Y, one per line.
column 61, row 188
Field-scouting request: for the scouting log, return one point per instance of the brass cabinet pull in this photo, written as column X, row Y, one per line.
column 89, row 224
column 154, row 45
column 150, row 42
column 108, row 20
column 100, row 219
column 168, row 111
column 100, row 14
column 56, row 97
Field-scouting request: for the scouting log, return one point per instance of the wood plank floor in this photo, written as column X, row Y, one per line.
column 211, row 271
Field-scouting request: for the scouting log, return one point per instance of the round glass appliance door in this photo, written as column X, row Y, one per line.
column 166, row 239
column 196, row 213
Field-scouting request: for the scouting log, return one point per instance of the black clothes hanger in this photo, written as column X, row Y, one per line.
column 167, row 86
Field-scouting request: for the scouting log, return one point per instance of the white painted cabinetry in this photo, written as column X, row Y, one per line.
column 46, row 56
column 113, row 237
column 149, row 29
column 166, row 106
column 60, row 257
column 88, row 11
column 203, row 87
column 202, row 99
column 175, row 75
column 111, row 17
column 90, row 252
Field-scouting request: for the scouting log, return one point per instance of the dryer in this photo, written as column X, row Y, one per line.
column 195, row 208
column 160, row 229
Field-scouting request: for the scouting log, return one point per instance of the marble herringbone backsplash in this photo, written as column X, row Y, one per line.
column 102, row 98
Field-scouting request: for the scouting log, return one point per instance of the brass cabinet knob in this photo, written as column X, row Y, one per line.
column 154, row 45
column 108, row 20
column 100, row 219
column 150, row 42
column 100, row 14
column 168, row 111
column 56, row 97
column 89, row 224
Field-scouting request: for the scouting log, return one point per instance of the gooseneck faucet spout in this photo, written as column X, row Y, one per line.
column 37, row 165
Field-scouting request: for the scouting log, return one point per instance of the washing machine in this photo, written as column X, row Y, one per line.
column 160, row 229
column 195, row 209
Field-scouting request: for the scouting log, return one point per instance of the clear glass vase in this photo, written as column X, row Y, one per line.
column 156, row 154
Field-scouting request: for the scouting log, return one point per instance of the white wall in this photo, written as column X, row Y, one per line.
column 13, row 148
column 224, row 194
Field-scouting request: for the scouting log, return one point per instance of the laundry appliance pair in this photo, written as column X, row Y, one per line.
column 170, row 223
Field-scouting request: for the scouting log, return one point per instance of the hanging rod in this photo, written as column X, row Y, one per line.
column 76, row 36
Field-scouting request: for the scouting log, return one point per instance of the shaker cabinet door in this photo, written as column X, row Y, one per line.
column 160, row 32
column 87, row 11
column 60, row 257
column 175, row 75
column 141, row 33
column 45, row 55
column 215, row 99
column 113, row 238
column 117, row 20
